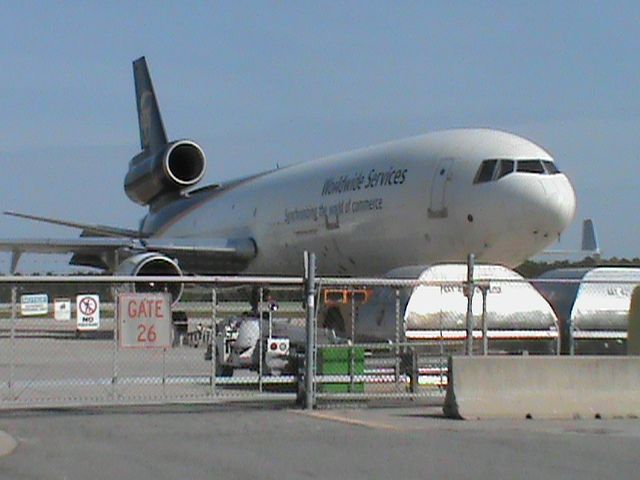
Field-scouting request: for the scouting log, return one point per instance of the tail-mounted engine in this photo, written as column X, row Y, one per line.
column 173, row 168
column 153, row 265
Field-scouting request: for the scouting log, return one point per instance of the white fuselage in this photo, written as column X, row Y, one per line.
column 410, row 202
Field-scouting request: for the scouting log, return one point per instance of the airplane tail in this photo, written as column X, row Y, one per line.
column 163, row 169
column 589, row 245
column 589, row 238
column 152, row 132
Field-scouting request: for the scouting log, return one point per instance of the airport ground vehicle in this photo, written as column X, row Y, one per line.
column 237, row 344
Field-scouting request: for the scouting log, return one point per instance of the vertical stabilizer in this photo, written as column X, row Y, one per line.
column 589, row 238
column 152, row 133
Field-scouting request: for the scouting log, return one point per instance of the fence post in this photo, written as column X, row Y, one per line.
column 310, row 281
column 14, row 314
column 353, row 341
column 469, row 291
column 572, row 340
column 397, row 348
column 212, row 343
column 484, row 289
column 117, row 289
column 260, row 340
column 116, row 336
column 164, row 373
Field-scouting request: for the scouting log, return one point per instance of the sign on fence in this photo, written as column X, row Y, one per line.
column 36, row 304
column 62, row 309
column 144, row 320
column 88, row 312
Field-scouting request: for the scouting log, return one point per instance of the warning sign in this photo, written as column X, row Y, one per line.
column 144, row 320
column 88, row 312
column 36, row 304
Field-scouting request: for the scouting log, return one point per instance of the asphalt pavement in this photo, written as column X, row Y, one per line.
column 271, row 442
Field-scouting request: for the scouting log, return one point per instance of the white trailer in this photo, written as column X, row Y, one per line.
column 592, row 305
column 518, row 318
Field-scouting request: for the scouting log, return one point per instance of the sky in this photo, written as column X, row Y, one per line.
column 259, row 84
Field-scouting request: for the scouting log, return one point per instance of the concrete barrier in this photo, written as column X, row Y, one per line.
column 543, row 387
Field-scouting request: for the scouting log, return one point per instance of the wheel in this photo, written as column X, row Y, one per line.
column 224, row 370
column 296, row 361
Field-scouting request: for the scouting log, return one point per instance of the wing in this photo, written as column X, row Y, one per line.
column 197, row 256
column 90, row 229
column 104, row 247
column 97, row 248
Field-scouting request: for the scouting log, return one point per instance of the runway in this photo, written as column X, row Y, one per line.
column 273, row 443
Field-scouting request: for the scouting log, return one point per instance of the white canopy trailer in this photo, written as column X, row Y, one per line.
column 592, row 305
column 518, row 317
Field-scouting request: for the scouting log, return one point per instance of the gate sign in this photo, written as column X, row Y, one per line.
column 37, row 304
column 88, row 312
column 62, row 309
column 144, row 320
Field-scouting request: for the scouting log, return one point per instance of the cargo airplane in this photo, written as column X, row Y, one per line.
column 418, row 201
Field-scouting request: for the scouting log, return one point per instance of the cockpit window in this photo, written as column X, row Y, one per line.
column 485, row 173
column 505, row 167
column 491, row 170
column 530, row 166
column 550, row 167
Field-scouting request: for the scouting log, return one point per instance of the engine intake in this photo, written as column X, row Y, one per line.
column 178, row 165
column 157, row 265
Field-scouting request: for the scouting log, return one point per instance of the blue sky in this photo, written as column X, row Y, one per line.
column 260, row 83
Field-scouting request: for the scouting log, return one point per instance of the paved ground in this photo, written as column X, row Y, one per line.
column 271, row 443
column 37, row 371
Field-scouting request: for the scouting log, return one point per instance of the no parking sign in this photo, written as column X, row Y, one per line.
column 88, row 312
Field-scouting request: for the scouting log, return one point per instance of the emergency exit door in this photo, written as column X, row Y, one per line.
column 439, row 184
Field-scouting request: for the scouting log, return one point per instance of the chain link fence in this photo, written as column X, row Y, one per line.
column 246, row 338
column 399, row 334
column 61, row 344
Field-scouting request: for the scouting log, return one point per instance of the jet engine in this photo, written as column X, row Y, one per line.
column 153, row 264
column 174, row 167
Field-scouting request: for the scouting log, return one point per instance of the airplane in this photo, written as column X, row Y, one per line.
column 589, row 246
column 419, row 201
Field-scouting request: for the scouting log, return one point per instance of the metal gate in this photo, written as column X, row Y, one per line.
column 53, row 359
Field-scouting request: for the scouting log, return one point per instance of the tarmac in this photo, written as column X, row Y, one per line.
column 277, row 442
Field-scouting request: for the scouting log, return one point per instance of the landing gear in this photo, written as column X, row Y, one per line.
column 334, row 320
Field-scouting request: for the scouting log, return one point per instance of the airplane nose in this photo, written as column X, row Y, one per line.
column 561, row 203
column 542, row 206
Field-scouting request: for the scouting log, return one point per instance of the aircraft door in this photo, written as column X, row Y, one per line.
column 438, row 198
